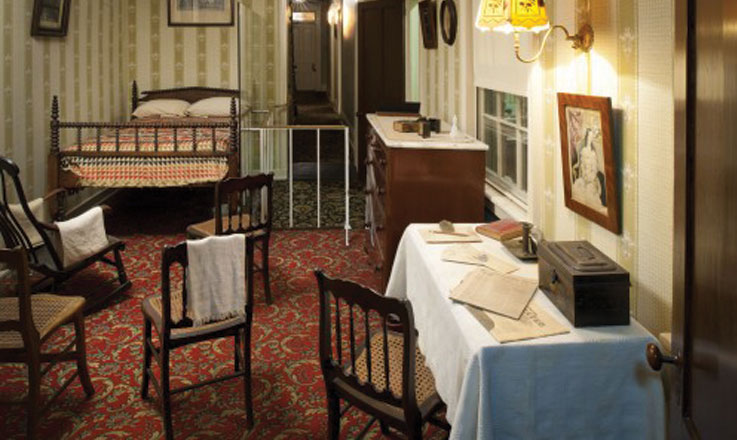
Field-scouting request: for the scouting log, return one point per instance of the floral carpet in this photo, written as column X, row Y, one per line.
column 289, row 396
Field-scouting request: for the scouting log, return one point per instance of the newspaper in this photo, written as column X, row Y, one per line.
column 534, row 323
column 505, row 295
column 467, row 254
column 434, row 235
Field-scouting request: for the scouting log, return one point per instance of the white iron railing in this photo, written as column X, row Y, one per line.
column 268, row 145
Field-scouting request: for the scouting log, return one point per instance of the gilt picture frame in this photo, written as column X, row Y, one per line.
column 589, row 164
column 50, row 18
column 201, row 13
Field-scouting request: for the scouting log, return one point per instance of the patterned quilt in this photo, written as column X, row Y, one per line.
column 149, row 171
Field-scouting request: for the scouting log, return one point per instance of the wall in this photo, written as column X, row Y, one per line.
column 631, row 62
column 79, row 68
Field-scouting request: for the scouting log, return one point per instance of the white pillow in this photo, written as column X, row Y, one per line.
column 218, row 107
column 163, row 108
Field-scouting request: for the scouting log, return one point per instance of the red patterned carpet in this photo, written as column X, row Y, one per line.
column 289, row 397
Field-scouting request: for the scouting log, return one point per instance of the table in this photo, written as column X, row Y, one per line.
column 589, row 383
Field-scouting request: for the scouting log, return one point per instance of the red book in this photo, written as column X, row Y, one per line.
column 501, row 230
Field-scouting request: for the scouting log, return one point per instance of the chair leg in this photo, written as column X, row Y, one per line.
column 265, row 270
column 84, row 374
column 415, row 431
column 247, row 382
column 333, row 416
column 237, row 346
column 122, row 276
column 384, row 427
column 146, row 357
column 166, row 393
column 34, row 395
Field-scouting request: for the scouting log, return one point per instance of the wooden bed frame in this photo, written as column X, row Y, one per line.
column 66, row 180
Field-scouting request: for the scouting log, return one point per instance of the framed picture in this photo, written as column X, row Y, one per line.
column 50, row 18
column 448, row 21
column 429, row 23
column 201, row 12
column 589, row 167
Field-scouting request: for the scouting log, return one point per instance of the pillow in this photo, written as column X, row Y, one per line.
column 162, row 108
column 218, row 107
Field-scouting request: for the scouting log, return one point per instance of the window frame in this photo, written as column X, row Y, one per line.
column 496, row 179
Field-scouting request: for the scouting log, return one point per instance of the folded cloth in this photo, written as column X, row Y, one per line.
column 82, row 236
column 216, row 278
column 38, row 209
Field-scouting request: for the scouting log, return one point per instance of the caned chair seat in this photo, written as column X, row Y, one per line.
column 153, row 308
column 207, row 228
column 49, row 313
column 424, row 380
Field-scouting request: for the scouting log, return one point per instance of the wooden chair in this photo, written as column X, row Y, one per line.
column 383, row 372
column 249, row 212
column 45, row 258
column 26, row 322
column 157, row 313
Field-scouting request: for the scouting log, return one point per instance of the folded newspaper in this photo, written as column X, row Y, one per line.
column 534, row 323
column 503, row 294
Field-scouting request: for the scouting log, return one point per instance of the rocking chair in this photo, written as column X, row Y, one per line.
column 44, row 257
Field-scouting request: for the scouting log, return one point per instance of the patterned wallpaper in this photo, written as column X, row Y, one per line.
column 629, row 63
column 79, row 68
column 109, row 44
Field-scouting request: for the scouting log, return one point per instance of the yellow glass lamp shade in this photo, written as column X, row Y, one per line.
column 512, row 16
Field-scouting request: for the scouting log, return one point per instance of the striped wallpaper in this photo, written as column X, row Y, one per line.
column 109, row 44
column 79, row 68
column 629, row 63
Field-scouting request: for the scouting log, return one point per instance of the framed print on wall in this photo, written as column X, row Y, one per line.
column 589, row 164
column 50, row 18
column 201, row 12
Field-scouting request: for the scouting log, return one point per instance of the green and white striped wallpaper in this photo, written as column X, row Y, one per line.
column 109, row 44
column 79, row 68
column 631, row 63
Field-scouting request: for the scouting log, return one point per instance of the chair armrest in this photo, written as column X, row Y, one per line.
column 106, row 209
column 49, row 226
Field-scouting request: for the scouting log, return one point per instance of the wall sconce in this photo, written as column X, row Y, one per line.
column 334, row 14
column 527, row 16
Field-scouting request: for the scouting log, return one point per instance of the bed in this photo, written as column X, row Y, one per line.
column 150, row 152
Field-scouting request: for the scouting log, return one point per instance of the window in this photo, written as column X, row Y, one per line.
column 502, row 125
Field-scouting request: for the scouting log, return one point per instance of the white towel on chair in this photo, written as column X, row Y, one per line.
column 82, row 236
column 38, row 209
column 216, row 278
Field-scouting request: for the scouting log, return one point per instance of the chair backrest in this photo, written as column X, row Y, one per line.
column 10, row 227
column 15, row 282
column 177, row 254
column 249, row 195
column 351, row 318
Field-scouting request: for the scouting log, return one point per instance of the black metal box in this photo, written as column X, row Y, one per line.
column 587, row 286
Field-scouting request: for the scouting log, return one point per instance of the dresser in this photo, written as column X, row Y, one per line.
column 414, row 180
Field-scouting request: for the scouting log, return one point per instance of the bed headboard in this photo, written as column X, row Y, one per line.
column 189, row 94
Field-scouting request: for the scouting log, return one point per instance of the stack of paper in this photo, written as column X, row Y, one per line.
column 459, row 235
column 467, row 254
column 502, row 303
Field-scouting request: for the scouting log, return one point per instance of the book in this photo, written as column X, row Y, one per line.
column 501, row 230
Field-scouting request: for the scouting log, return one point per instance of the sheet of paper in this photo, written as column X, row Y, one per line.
column 503, row 294
column 534, row 323
column 467, row 254
column 433, row 235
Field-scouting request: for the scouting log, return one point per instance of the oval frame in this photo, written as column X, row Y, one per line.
column 449, row 34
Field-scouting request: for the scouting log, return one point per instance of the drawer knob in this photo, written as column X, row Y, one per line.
column 381, row 191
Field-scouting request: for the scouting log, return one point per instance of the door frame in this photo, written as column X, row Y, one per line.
column 680, row 424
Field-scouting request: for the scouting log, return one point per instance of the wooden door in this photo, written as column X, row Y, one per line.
column 704, row 380
column 307, row 59
column 380, row 63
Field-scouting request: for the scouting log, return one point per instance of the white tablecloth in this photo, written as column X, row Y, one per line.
column 593, row 383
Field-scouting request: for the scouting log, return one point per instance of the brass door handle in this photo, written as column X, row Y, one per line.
column 656, row 358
